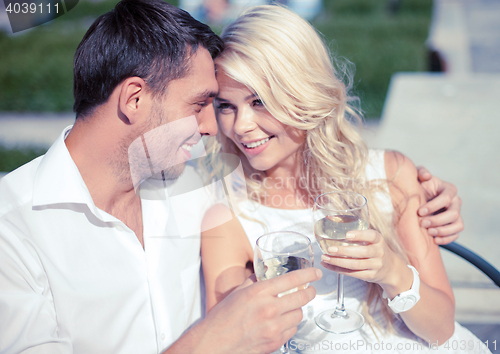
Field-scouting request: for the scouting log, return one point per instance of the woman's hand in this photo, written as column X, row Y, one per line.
column 441, row 214
column 370, row 259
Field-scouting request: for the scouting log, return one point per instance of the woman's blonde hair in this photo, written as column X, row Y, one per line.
column 281, row 57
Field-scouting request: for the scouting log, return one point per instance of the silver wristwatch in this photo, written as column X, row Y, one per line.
column 407, row 299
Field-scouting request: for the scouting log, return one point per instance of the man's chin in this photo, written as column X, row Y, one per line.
column 171, row 173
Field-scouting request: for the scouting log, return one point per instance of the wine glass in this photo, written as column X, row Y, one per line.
column 334, row 214
column 277, row 253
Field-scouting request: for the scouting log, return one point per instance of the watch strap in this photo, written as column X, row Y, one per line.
column 407, row 299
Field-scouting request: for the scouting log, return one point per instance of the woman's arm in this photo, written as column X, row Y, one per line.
column 243, row 316
column 432, row 318
column 225, row 252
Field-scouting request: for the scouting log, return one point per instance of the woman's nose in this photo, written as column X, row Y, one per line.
column 245, row 121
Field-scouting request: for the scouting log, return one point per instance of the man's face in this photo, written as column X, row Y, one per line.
column 177, row 121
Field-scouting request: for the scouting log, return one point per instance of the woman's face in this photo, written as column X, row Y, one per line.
column 267, row 143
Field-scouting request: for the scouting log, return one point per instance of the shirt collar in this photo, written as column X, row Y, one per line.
column 58, row 180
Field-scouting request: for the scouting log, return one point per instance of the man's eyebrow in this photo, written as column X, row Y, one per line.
column 204, row 95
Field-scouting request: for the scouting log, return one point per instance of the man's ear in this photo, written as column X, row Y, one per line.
column 133, row 101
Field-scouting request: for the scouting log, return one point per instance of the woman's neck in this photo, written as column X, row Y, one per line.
column 284, row 188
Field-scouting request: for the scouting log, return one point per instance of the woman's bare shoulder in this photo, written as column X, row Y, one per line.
column 221, row 228
column 403, row 177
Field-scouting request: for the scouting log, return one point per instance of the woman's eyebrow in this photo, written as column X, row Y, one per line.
column 251, row 96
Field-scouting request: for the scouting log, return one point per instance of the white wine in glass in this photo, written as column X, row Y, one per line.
column 278, row 253
column 330, row 230
column 335, row 214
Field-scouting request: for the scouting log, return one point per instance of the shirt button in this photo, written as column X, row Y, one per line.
column 162, row 336
column 120, row 228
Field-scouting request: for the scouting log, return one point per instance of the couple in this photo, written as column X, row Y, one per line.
column 88, row 266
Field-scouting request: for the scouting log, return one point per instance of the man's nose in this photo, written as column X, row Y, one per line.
column 207, row 122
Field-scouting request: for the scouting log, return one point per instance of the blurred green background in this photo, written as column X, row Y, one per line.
column 36, row 65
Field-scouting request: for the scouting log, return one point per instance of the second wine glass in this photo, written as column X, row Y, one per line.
column 277, row 253
column 334, row 214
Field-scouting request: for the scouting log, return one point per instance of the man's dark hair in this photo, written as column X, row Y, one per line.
column 150, row 39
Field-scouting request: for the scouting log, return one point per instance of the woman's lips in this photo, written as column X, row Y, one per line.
column 257, row 146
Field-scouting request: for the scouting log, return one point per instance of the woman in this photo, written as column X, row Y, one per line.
column 284, row 111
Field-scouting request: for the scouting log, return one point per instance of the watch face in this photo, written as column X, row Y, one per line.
column 405, row 303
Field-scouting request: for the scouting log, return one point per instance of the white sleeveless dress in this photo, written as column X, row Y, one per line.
column 311, row 339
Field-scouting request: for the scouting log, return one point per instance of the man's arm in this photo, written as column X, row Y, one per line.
column 27, row 315
column 252, row 319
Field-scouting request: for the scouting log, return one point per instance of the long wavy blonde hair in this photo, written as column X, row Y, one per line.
column 281, row 57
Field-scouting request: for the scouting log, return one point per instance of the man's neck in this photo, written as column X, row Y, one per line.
column 97, row 155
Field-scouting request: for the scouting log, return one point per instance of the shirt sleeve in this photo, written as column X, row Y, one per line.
column 28, row 321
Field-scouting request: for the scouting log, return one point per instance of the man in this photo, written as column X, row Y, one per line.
column 86, row 264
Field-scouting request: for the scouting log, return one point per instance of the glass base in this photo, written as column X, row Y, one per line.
column 328, row 321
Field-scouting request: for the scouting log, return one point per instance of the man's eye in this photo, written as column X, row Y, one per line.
column 200, row 106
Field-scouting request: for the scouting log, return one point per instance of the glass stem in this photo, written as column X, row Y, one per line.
column 340, row 309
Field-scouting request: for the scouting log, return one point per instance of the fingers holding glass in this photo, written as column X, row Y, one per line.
column 334, row 215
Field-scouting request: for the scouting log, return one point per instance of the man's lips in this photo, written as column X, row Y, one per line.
column 190, row 142
column 187, row 147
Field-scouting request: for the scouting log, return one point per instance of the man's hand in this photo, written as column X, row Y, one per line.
column 252, row 319
column 441, row 214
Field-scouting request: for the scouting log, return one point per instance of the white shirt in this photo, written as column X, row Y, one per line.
column 74, row 279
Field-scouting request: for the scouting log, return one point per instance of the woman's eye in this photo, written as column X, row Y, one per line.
column 257, row 102
column 224, row 108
